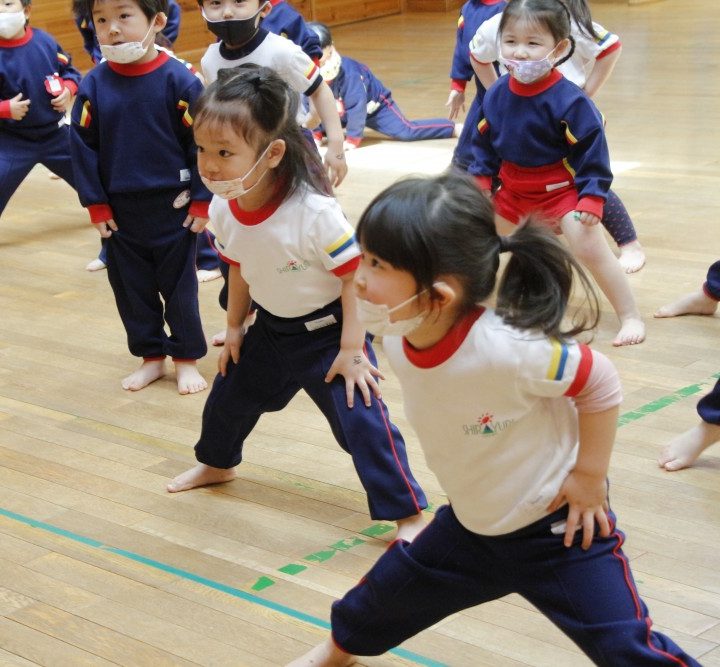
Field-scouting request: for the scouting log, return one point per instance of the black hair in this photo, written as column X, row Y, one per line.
column 260, row 107
column 151, row 8
column 581, row 15
column 551, row 14
column 25, row 3
column 322, row 32
column 444, row 226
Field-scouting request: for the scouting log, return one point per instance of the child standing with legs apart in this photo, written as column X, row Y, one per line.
column 293, row 254
column 135, row 166
column 544, row 139
column 517, row 421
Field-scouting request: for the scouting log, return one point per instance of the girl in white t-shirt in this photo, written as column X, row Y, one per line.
column 516, row 419
column 292, row 255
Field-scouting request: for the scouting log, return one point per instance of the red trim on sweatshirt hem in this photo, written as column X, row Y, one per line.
column 199, row 208
column 536, row 87
column 348, row 267
column 592, row 204
column 5, row 109
column 131, row 69
column 458, row 84
column 12, row 43
column 446, row 346
column 583, row 371
column 99, row 213
column 71, row 86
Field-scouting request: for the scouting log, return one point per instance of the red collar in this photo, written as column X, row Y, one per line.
column 536, row 87
column 250, row 218
column 12, row 43
column 131, row 69
column 446, row 346
column 277, row 2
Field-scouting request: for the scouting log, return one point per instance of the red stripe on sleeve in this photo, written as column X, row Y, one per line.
column 348, row 267
column 609, row 50
column 583, row 371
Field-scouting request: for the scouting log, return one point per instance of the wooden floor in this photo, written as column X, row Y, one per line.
column 98, row 565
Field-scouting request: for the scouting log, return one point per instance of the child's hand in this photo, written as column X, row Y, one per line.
column 586, row 497
column 196, row 224
column 19, row 107
column 335, row 165
column 586, row 218
column 61, row 103
column 106, row 228
column 233, row 342
column 456, row 103
column 356, row 368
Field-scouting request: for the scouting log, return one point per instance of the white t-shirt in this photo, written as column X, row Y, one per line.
column 485, row 48
column 286, row 58
column 291, row 253
column 492, row 408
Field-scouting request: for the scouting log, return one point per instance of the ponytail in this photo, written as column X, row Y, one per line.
column 536, row 285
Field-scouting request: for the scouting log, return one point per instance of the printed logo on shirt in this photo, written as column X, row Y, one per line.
column 485, row 425
column 293, row 265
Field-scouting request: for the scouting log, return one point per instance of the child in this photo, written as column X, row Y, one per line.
column 165, row 38
column 589, row 66
column 285, row 21
column 242, row 40
column 292, row 252
column 544, row 139
column 37, row 84
column 682, row 451
column 363, row 100
column 516, row 420
column 135, row 164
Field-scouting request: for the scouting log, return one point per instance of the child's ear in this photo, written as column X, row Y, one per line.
column 562, row 48
column 266, row 9
column 159, row 22
column 275, row 153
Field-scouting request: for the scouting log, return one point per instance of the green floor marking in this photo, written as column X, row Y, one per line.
column 660, row 403
column 377, row 530
column 292, row 568
column 262, row 582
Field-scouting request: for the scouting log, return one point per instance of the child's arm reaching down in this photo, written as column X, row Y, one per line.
column 352, row 362
column 585, row 488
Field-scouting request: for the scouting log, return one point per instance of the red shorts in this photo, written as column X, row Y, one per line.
column 548, row 193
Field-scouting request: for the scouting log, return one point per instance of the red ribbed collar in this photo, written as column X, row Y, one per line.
column 261, row 214
column 446, row 346
column 536, row 87
column 12, row 43
column 131, row 69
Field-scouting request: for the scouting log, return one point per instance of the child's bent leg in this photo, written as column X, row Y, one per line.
column 150, row 370
column 591, row 596
column 617, row 221
column 590, row 247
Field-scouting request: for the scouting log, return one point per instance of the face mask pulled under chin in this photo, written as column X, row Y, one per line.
column 529, row 71
column 375, row 317
column 126, row 53
column 235, row 32
column 11, row 23
column 234, row 188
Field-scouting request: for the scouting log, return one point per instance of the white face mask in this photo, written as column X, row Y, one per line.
column 11, row 24
column 331, row 68
column 375, row 317
column 528, row 71
column 234, row 188
column 129, row 52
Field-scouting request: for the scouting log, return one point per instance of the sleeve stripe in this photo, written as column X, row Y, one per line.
column 85, row 116
column 310, row 72
column 482, row 126
column 347, row 267
column 338, row 246
column 557, row 363
column 583, row 371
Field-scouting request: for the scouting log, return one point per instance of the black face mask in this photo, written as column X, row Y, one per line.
column 235, row 32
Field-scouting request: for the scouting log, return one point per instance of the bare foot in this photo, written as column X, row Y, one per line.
column 218, row 340
column 148, row 372
column 205, row 275
column 632, row 332
column 201, row 475
column 96, row 265
column 189, row 380
column 695, row 303
column 682, row 451
column 632, row 257
column 324, row 655
column 408, row 528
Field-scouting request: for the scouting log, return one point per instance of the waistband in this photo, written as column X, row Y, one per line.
column 327, row 316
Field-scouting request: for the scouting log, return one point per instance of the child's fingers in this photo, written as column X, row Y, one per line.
column 111, row 223
column 588, row 520
column 374, row 387
column 188, row 221
column 571, row 526
column 603, row 522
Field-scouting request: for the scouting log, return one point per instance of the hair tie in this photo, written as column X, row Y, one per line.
column 504, row 244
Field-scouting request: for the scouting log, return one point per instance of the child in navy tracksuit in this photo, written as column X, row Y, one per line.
column 292, row 254
column 165, row 38
column 287, row 22
column 682, row 451
column 363, row 100
column 37, row 83
column 472, row 15
column 135, row 167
